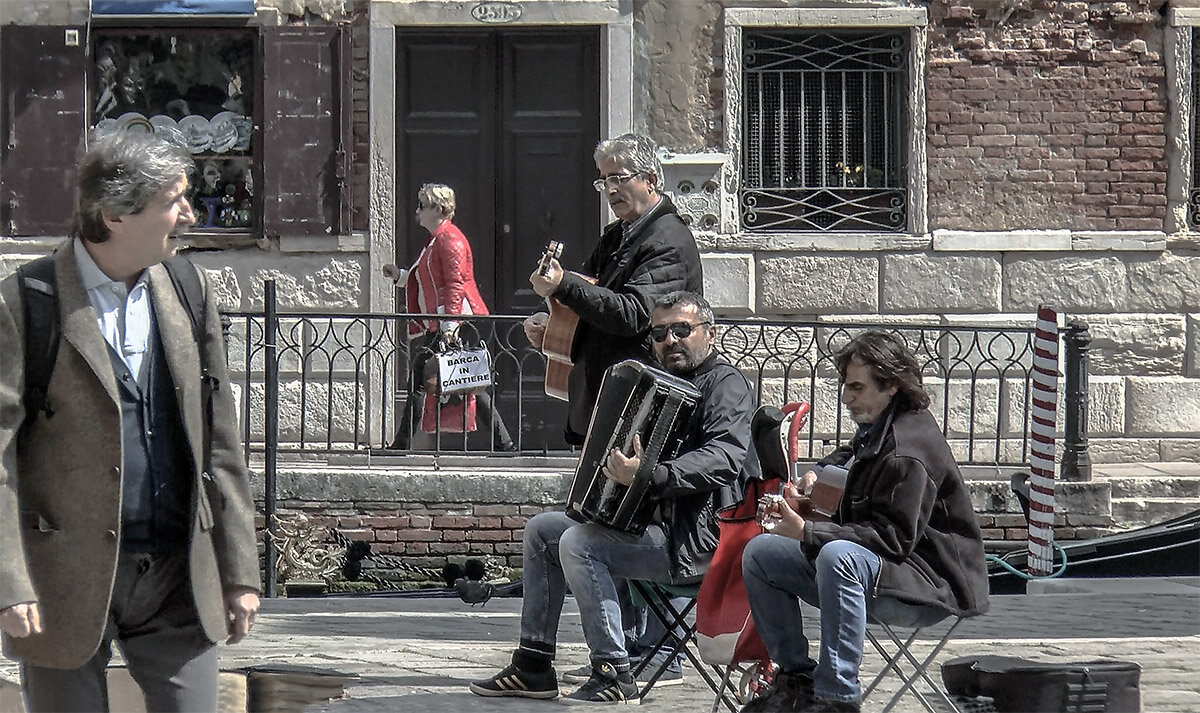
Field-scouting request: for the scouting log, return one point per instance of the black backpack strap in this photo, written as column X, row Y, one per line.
column 186, row 280
column 191, row 293
column 39, row 297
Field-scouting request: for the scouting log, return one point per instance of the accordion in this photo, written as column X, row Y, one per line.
column 634, row 399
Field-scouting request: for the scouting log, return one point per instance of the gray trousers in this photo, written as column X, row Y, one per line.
column 153, row 619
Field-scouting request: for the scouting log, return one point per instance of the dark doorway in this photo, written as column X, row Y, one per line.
column 509, row 118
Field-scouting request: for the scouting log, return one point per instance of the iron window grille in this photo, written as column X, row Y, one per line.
column 825, row 129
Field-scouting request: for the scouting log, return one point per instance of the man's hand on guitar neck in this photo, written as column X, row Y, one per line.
column 546, row 278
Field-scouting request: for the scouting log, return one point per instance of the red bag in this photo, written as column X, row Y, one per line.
column 725, row 632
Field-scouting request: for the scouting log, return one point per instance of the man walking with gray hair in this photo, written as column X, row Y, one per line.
column 125, row 506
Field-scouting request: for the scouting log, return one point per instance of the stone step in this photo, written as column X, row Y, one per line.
column 1140, row 512
column 1167, row 486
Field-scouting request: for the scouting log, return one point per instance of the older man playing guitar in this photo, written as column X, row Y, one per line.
column 646, row 253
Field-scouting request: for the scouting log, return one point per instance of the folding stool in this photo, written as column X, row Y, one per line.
column 916, row 670
column 680, row 634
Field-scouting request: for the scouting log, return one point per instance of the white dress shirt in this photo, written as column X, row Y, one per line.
column 124, row 315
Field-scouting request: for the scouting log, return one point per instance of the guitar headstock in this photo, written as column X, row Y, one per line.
column 554, row 250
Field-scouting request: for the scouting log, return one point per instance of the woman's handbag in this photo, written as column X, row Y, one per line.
column 463, row 371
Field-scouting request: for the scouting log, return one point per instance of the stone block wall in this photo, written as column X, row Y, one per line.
column 1051, row 138
column 1052, row 130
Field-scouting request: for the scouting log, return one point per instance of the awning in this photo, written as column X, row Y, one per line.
column 172, row 7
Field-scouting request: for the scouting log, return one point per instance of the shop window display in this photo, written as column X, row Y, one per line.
column 195, row 88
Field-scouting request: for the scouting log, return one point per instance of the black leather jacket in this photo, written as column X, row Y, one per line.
column 716, row 456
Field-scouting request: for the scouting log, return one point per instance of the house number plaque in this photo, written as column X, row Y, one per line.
column 496, row 12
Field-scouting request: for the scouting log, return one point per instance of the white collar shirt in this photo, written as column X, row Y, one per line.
column 123, row 315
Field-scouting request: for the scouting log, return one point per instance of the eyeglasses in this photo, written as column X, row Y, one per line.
column 679, row 330
column 602, row 184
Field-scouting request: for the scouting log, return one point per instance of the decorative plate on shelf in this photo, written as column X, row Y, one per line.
column 168, row 128
column 105, row 127
column 133, row 121
column 224, row 131
column 197, row 132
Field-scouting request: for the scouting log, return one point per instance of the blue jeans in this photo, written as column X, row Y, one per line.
column 650, row 631
column 838, row 583
column 591, row 559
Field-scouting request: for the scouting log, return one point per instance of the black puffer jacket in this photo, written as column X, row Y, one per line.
column 614, row 314
column 716, row 457
column 905, row 500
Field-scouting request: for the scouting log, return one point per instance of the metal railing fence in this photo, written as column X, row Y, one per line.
column 337, row 382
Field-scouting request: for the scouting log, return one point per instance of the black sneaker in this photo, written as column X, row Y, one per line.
column 605, row 686
column 788, row 692
column 577, row 675
column 672, row 675
column 512, row 681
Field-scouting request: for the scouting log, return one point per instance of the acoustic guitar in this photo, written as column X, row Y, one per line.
column 560, row 333
column 823, row 500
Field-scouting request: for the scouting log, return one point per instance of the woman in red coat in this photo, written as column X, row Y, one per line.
column 440, row 281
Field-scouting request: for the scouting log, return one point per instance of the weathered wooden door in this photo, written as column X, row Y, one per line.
column 509, row 118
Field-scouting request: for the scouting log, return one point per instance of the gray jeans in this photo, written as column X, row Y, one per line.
column 591, row 559
column 154, row 621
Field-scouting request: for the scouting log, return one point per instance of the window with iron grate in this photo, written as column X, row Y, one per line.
column 825, row 130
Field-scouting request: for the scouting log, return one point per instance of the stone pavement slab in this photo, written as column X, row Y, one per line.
column 420, row 654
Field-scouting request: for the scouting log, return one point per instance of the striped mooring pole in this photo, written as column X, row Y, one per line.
column 1041, row 461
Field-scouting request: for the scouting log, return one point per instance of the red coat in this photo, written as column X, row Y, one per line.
column 442, row 281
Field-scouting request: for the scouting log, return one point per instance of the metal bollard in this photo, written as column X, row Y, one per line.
column 1076, row 461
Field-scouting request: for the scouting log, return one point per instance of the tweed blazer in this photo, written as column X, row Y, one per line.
column 60, row 486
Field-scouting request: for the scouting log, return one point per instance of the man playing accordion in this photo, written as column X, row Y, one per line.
column 716, row 453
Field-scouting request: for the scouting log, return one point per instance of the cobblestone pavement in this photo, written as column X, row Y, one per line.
column 420, row 654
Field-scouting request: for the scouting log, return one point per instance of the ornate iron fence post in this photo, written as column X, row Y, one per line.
column 226, row 330
column 270, row 425
column 1076, row 462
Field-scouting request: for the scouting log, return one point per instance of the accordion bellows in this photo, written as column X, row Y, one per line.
column 634, row 399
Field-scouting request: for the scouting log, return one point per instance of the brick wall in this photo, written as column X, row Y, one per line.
column 1046, row 115
column 429, row 518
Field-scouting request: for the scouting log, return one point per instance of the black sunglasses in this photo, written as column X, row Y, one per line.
column 680, row 330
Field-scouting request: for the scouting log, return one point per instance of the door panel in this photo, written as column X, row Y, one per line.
column 446, row 135
column 509, row 119
column 545, row 211
column 550, row 125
